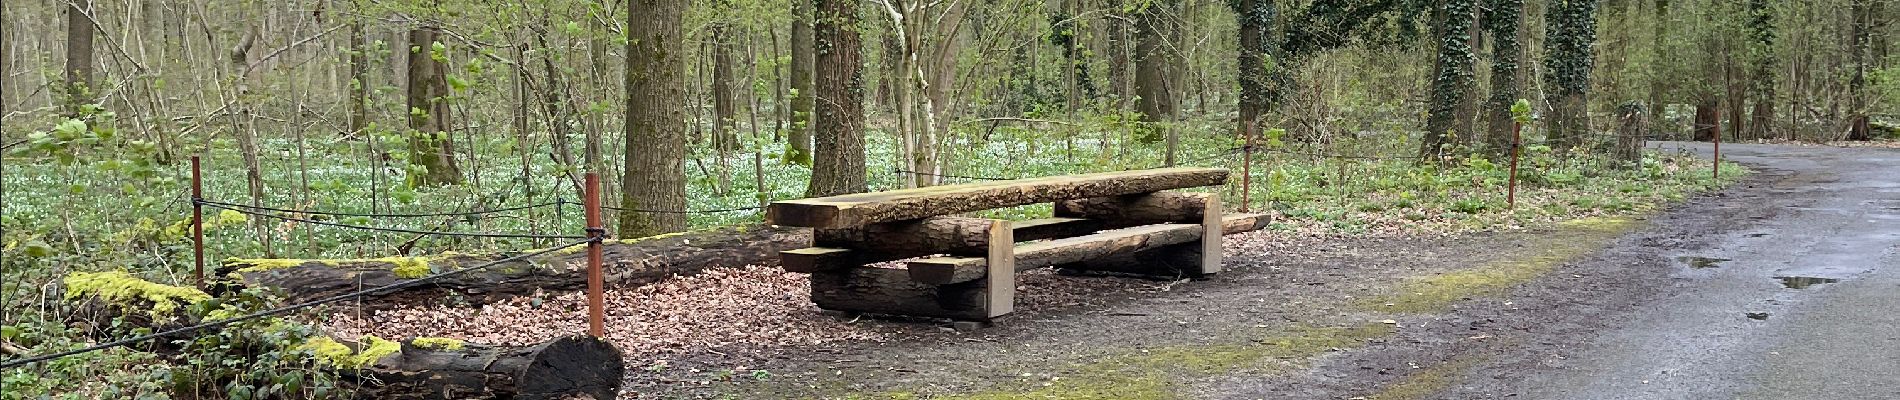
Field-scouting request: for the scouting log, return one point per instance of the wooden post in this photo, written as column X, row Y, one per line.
column 1211, row 232
column 596, row 300
column 197, row 222
column 1000, row 280
column 1517, row 131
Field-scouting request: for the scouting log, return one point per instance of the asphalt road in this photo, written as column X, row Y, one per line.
column 1799, row 299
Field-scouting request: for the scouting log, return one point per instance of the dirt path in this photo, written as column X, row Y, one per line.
column 1593, row 309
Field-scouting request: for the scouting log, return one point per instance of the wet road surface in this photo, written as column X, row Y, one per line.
column 1806, row 305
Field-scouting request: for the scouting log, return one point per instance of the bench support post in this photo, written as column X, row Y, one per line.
column 1000, row 279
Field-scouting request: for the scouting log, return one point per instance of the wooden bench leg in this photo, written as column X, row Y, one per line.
column 1197, row 259
column 1211, row 240
column 1000, row 280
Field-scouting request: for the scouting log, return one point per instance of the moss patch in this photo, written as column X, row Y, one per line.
column 407, row 267
column 436, row 343
column 121, row 287
column 1150, row 374
column 1424, row 383
column 328, row 352
column 265, row 264
column 1438, row 292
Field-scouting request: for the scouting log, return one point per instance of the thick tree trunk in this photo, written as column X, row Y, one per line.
column 79, row 35
column 430, row 143
column 1658, row 88
column 627, row 261
column 1453, row 81
column 1761, row 32
column 838, row 166
column 802, row 94
column 1254, row 17
column 1570, row 37
column 724, row 90
column 1502, row 20
column 1858, row 49
column 573, row 367
column 1155, row 102
column 1632, row 124
column 655, row 175
column 899, row 205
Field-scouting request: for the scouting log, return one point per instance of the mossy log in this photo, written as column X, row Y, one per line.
column 627, row 261
column 858, row 210
column 573, row 367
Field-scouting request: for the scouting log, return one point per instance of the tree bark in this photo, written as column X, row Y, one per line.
column 1454, row 79
column 1858, row 127
column 802, row 94
column 1152, row 60
column 573, row 367
column 1762, row 81
column 359, row 78
column 79, row 60
column 838, row 166
column 655, row 174
column 1502, row 21
column 1570, row 36
column 431, row 146
column 627, row 261
column 1707, row 123
column 899, row 205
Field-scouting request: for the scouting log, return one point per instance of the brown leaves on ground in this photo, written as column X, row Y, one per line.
column 716, row 309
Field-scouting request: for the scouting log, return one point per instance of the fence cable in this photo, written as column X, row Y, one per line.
column 348, row 214
column 397, row 230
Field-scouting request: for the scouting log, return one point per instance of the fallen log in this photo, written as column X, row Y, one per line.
column 1136, row 209
column 422, row 368
column 857, row 210
column 628, row 261
column 573, row 367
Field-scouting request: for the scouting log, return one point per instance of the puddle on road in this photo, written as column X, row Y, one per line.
column 1701, row 262
column 1804, row 282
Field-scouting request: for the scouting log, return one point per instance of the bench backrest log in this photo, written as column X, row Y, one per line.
column 857, row 210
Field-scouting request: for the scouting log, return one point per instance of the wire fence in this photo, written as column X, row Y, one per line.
column 380, row 215
column 282, row 310
column 222, row 206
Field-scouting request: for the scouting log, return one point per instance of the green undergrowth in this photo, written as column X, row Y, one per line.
column 1155, row 373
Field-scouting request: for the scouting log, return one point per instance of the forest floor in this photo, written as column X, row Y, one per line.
column 1642, row 306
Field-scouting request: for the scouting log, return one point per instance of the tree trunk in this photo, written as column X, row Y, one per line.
column 1762, row 81
column 838, row 167
column 431, row 146
column 802, row 94
column 725, row 103
column 79, row 33
column 1502, row 20
column 1255, row 72
column 359, row 78
column 655, row 175
column 1658, row 88
column 1858, row 127
column 1631, row 127
column 1453, row 81
column 1154, row 101
column 1570, row 35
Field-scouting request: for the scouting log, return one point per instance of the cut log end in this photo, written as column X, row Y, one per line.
column 573, row 367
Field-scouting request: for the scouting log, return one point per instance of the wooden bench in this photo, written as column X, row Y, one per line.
column 965, row 268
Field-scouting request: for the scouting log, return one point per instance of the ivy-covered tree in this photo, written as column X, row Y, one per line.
column 838, row 151
column 1502, row 20
column 1454, row 79
column 1569, row 40
column 1761, row 54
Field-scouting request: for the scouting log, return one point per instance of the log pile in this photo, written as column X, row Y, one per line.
column 1118, row 222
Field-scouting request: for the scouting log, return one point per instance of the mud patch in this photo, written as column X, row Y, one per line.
column 1702, row 262
column 1436, row 293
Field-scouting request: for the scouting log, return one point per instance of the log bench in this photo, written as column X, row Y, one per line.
column 965, row 268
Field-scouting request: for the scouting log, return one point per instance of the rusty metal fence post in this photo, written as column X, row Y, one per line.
column 197, row 223
column 596, row 300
